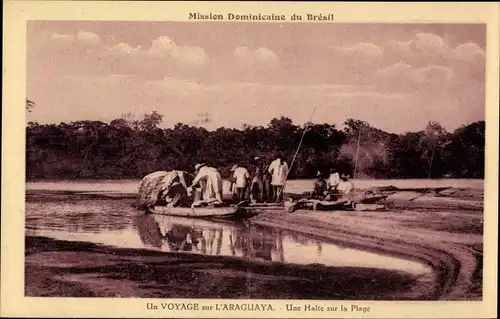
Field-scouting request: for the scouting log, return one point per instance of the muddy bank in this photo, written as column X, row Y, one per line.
column 78, row 269
column 450, row 241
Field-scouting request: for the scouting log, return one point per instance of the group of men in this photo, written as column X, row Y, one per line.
column 338, row 185
column 264, row 184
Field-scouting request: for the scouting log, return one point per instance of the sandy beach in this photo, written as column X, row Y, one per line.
column 77, row 269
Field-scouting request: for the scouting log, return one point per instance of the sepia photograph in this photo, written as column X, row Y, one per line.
column 255, row 162
column 282, row 161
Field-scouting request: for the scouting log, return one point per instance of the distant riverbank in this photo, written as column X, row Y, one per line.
column 129, row 186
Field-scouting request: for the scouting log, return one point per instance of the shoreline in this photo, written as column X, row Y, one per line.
column 456, row 258
column 80, row 269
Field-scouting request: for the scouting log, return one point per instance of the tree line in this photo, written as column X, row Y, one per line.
column 126, row 148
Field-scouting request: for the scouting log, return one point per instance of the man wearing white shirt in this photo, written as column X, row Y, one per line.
column 210, row 181
column 278, row 170
column 241, row 177
column 345, row 186
column 334, row 179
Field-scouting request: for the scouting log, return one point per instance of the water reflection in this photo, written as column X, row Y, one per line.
column 210, row 238
column 94, row 216
column 115, row 223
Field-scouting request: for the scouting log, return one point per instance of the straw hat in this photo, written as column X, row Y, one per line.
column 198, row 166
column 343, row 175
column 234, row 167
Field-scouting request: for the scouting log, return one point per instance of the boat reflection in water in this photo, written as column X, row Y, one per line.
column 210, row 238
column 169, row 233
column 116, row 224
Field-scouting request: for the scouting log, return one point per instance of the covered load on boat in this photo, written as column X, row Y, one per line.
column 163, row 188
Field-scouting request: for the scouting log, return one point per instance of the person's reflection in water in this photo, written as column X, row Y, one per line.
column 203, row 244
column 149, row 230
column 242, row 242
column 219, row 242
column 263, row 245
column 180, row 237
column 232, row 245
column 197, row 238
column 319, row 248
column 279, row 246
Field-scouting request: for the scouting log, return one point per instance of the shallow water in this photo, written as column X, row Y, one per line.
column 115, row 223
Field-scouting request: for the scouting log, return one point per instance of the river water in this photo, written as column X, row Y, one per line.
column 130, row 186
column 116, row 223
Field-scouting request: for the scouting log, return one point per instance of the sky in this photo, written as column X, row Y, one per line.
column 397, row 77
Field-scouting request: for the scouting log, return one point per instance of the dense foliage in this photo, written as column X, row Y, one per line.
column 130, row 149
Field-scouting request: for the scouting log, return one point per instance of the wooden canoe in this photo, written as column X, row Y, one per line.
column 238, row 211
column 314, row 204
column 196, row 212
column 370, row 199
column 357, row 198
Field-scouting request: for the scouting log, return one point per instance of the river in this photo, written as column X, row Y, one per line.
column 114, row 222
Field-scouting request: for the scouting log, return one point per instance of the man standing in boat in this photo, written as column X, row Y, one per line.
column 210, row 180
column 345, row 187
column 278, row 170
column 241, row 181
column 260, row 190
column 334, row 179
column 320, row 187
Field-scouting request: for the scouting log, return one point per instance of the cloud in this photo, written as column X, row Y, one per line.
column 88, row 53
column 233, row 104
column 401, row 77
column 83, row 37
column 88, row 38
column 429, row 45
column 161, row 47
column 124, row 49
column 61, row 37
column 469, row 62
column 398, row 51
column 468, row 52
column 434, row 78
column 353, row 65
column 363, row 53
column 164, row 47
column 375, row 80
column 466, row 60
column 421, row 50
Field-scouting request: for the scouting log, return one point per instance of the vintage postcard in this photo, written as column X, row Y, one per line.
column 256, row 159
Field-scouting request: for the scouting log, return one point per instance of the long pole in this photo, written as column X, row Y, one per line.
column 428, row 173
column 432, row 158
column 298, row 148
column 357, row 152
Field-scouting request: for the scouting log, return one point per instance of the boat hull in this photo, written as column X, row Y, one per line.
column 194, row 212
column 205, row 212
column 360, row 198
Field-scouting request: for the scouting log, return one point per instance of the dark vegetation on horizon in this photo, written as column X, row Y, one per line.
column 125, row 148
